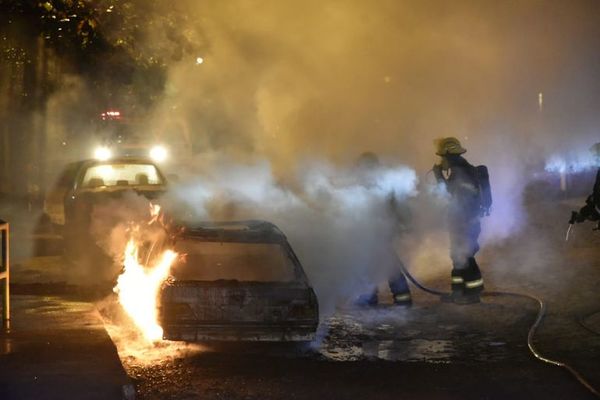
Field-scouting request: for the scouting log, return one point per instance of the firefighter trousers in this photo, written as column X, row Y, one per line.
column 464, row 236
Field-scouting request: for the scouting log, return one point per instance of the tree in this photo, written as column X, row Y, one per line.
column 103, row 41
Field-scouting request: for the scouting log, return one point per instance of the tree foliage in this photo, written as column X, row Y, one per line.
column 106, row 41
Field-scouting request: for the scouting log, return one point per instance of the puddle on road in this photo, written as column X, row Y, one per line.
column 415, row 350
column 382, row 335
column 386, row 334
column 7, row 346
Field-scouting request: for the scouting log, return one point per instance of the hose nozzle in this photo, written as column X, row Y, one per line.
column 569, row 231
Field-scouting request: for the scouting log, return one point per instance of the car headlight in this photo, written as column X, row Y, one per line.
column 102, row 153
column 158, row 153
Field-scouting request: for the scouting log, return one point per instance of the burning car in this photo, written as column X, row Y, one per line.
column 237, row 281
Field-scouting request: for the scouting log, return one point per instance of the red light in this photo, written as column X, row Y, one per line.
column 110, row 114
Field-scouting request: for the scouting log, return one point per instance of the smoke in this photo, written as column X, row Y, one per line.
column 116, row 220
column 572, row 163
column 290, row 83
column 340, row 222
column 288, row 95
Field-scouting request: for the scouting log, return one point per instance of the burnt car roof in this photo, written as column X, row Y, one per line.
column 251, row 231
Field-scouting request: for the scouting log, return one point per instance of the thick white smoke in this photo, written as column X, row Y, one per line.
column 306, row 87
column 336, row 220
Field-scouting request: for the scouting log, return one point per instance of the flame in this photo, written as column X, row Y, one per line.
column 138, row 287
column 154, row 213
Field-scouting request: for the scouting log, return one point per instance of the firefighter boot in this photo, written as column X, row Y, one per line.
column 472, row 283
column 457, row 287
column 402, row 299
column 400, row 290
column 473, row 278
column 461, row 294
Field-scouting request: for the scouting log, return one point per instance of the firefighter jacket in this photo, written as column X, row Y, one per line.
column 461, row 183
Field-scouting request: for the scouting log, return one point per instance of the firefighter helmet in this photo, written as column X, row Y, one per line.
column 449, row 146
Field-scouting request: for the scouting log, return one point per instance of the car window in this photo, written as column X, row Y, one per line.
column 121, row 175
column 67, row 178
column 210, row 261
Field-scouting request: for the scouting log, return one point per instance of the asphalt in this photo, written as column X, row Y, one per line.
column 57, row 348
column 55, row 345
column 431, row 351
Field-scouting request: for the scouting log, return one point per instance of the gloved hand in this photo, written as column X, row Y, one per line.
column 573, row 219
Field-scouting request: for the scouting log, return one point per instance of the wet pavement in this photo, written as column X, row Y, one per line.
column 58, row 345
column 432, row 351
column 430, row 332
column 57, row 348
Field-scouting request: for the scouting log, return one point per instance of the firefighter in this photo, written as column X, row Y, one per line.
column 591, row 210
column 464, row 211
column 383, row 254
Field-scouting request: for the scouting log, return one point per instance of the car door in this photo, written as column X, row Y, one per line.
column 54, row 201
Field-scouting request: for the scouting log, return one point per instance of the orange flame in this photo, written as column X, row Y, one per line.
column 138, row 287
column 154, row 213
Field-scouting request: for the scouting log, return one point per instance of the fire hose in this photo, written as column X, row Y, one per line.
column 532, row 330
column 581, row 321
